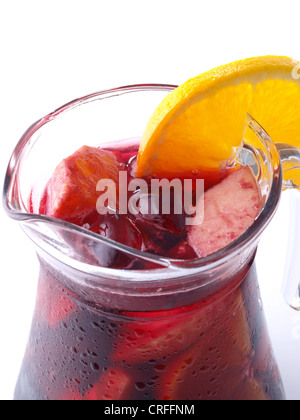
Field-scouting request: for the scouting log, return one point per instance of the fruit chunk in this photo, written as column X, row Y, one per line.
column 229, row 209
column 175, row 377
column 71, row 192
column 161, row 334
column 159, row 338
column 113, row 385
column 199, row 124
column 215, row 364
column 214, row 369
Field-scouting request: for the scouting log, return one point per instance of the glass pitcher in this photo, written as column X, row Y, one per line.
column 114, row 323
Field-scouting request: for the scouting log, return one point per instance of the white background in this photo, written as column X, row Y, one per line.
column 54, row 51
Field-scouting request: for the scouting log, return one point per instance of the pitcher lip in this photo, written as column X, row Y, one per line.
column 245, row 239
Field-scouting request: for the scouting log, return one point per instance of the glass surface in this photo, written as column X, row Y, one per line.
column 217, row 348
column 112, row 322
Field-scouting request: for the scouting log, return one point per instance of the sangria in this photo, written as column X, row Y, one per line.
column 213, row 346
column 148, row 286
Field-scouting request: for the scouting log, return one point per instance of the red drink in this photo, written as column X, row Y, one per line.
column 210, row 343
column 210, row 350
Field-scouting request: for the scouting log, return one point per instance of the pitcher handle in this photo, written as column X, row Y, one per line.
column 290, row 158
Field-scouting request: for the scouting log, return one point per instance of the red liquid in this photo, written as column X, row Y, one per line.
column 216, row 348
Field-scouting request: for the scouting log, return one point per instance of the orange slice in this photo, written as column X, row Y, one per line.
column 199, row 125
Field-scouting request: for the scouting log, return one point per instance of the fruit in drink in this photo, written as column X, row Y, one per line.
column 71, row 192
column 229, row 209
column 112, row 385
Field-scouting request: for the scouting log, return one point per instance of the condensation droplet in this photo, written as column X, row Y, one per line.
column 140, row 386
